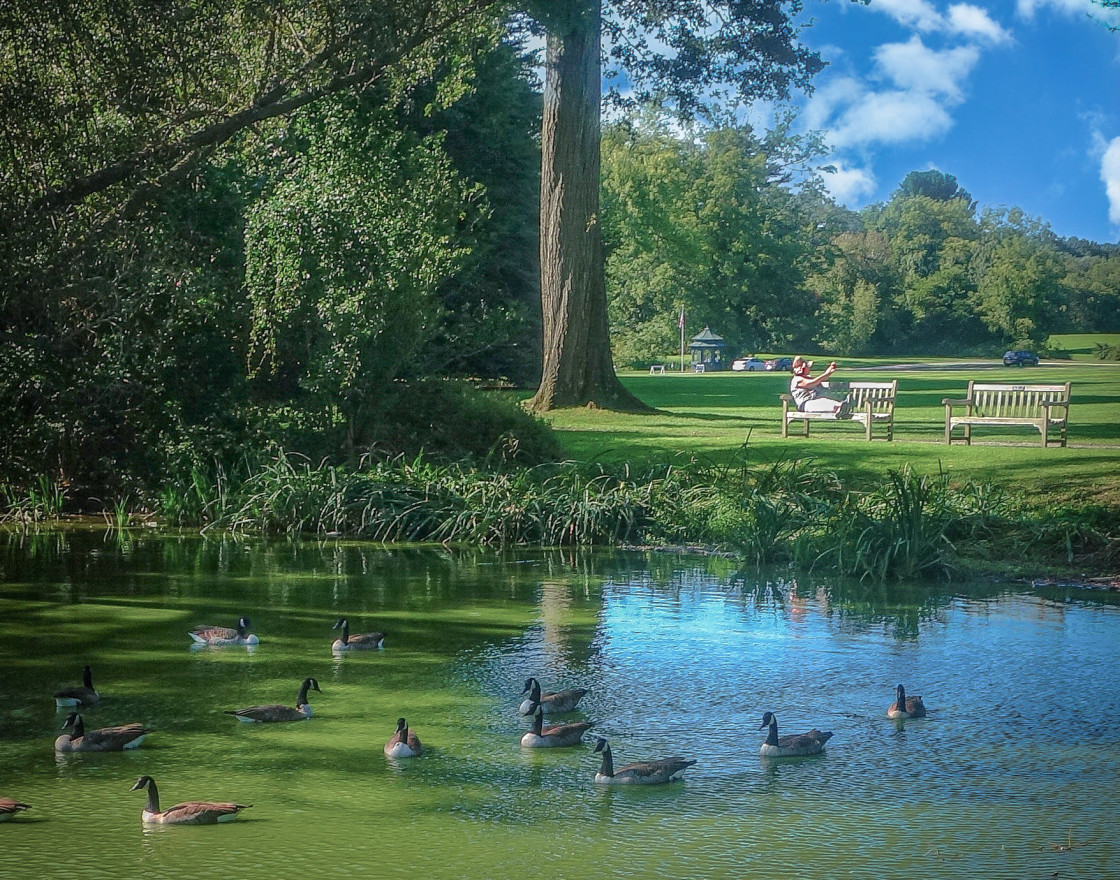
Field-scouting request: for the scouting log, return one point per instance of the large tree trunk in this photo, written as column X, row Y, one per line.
column 577, row 366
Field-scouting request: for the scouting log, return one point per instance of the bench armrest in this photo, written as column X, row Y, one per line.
column 952, row 401
column 1047, row 405
column 788, row 398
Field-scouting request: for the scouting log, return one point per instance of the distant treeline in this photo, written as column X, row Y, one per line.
column 735, row 229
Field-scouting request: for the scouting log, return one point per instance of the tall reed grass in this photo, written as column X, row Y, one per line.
column 910, row 527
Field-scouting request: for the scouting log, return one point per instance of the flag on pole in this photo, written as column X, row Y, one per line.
column 680, row 323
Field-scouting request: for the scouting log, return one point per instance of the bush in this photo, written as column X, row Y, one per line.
column 451, row 421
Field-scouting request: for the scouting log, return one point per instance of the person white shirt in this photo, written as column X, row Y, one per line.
column 805, row 389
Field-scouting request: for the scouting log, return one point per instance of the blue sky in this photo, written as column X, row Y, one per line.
column 1019, row 100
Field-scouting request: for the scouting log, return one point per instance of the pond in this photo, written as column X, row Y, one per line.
column 1015, row 772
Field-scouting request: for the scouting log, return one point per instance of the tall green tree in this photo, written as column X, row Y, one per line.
column 695, row 54
column 345, row 256
column 1019, row 273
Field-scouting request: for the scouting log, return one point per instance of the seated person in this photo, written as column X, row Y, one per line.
column 806, row 393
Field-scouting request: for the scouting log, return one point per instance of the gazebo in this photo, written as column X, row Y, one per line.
column 707, row 351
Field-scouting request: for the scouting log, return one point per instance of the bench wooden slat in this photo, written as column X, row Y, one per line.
column 1041, row 407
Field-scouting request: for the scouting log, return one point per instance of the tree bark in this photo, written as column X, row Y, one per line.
column 577, row 364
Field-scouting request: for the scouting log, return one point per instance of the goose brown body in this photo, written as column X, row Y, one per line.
column 561, row 701
column 188, row 813
column 793, row 745
column 85, row 695
column 274, row 712
column 10, row 806
column 404, row 743
column 906, row 707
column 224, row 636
column 656, row 772
column 104, row 739
column 358, row 642
column 541, row 737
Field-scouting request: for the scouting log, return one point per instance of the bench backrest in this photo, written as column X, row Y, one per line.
column 880, row 394
column 991, row 400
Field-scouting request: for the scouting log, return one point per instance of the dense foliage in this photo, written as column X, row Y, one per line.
column 233, row 232
column 712, row 223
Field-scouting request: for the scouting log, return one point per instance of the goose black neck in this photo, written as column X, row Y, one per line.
column 153, row 797
column 78, row 728
column 902, row 698
column 772, row 736
column 301, row 700
column 535, row 691
column 87, row 678
column 345, row 632
column 538, row 721
column 607, row 767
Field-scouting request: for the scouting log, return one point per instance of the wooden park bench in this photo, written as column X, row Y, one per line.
column 872, row 403
column 1042, row 407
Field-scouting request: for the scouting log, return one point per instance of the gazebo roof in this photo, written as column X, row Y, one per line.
column 707, row 339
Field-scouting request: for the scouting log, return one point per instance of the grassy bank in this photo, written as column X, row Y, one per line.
column 709, row 467
column 710, row 416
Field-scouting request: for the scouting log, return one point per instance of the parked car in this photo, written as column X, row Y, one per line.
column 780, row 364
column 1020, row 359
column 747, row 364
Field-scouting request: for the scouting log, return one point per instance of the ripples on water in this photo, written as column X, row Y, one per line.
column 1013, row 774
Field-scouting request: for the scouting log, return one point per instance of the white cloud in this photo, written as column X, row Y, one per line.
column 914, row 67
column 962, row 19
column 971, row 21
column 890, row 118
column 849, row 186
column 917, row 14
column 1110, row 174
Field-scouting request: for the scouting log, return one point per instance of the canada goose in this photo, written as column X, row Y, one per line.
column 404, row 743
column 360, row 642
column 190, row 813
column 541, row 737
column 222, row 636
column 78, row 696
column 906, row 707
column 561, row 701
column 9, row 807
column 105, row 739
column 278, row 712
column 792, row 745
column 640, row 772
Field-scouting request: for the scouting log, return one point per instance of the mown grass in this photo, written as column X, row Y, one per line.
column 709, row 416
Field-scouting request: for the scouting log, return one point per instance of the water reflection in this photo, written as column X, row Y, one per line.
column 681, row 655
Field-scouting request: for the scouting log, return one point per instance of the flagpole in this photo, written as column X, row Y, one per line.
column 681, row 325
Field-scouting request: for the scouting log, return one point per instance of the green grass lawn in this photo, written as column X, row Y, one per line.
column 713, row 415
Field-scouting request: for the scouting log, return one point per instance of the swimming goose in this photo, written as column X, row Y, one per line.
column 105, row 739
column 360, row 642
column 640, row 772
column 906, row 707
column 78, row 696
column 792, row 745
column 561, row 701
column 223, row 636
column 189, row 813
column 9, row 807
column 541, row 737
column 404, row 743
column 278, row 712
